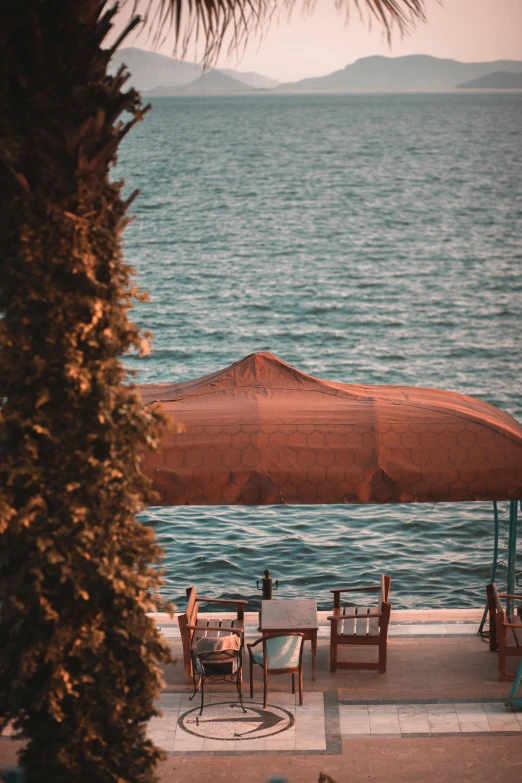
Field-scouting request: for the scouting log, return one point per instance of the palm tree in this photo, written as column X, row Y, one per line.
column 79, row 657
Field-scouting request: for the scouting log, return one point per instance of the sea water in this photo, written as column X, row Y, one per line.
column 370, row 239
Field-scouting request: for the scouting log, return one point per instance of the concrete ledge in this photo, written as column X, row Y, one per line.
column 472, row 615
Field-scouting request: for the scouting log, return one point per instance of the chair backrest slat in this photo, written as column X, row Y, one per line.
column 192, row 605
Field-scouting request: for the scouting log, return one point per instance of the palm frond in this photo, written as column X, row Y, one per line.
column 403, row 13
column 236, row 21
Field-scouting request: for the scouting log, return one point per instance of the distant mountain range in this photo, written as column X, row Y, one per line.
column 209, row 83
column 162, row 75
column 149, row 69
column 500, row 80
column 414, row 73
column 251, row 79
column 157, row 74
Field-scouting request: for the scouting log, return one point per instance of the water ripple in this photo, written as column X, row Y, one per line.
column 365, row 239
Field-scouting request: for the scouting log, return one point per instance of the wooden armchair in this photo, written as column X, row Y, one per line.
column 360, row 625
column 505, row 631
column 194, row 628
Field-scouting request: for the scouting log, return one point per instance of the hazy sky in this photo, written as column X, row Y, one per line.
column 320, row 42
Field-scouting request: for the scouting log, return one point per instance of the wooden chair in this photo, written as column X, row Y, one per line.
column 505, row 631
column 281, row 653
column 360, row 625
column 193, row 628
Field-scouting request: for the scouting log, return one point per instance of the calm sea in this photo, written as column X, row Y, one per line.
column 364, row 239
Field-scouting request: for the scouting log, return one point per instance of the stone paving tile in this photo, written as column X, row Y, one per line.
column 384, row 720
column 442, row 718
column 431, row 719
column 472, row 717
column 413, row 718
column 354, row 720
column 501, row 718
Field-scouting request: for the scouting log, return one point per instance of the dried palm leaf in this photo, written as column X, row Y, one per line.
column 237, row 21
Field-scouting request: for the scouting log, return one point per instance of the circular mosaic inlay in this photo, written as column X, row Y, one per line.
column 227, row 721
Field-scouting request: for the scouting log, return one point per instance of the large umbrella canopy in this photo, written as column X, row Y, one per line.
column 260, row 432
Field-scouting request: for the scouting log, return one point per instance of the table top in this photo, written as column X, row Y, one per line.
column 283, row 614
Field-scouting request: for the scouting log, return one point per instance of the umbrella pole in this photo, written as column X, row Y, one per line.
column 494, row 565
column 512, row 553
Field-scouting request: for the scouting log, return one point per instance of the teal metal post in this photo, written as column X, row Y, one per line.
column 14, row 775
column 494, row 566
column 495, row 548
column 512, row 553
column 512, row 700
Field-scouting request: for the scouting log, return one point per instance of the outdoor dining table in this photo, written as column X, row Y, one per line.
column 295, row 615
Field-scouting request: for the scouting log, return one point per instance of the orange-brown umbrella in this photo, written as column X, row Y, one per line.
column 260, row 432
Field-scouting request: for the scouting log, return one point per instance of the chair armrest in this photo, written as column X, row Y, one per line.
column 234, row 602
column 237, row 631
column 353, row 589
column 508, row 595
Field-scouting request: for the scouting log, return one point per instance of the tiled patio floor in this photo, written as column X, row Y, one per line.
column 437, row 715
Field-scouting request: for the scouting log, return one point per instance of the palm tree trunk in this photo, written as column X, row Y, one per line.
column 78, row 655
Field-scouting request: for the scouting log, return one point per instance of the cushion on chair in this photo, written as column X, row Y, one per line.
column 211, row 662
column 282, row 652
column 214, row 644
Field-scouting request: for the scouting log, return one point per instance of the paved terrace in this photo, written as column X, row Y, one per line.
column 438, row 714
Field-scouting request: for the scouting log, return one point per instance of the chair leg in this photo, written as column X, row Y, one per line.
column 238, row 684
column 265, row 690
column 202, row 694
column 293, row 683
column 195, row 685
column 382, row 655
column 251, row 677
column 333, row 655
column 301, row 687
